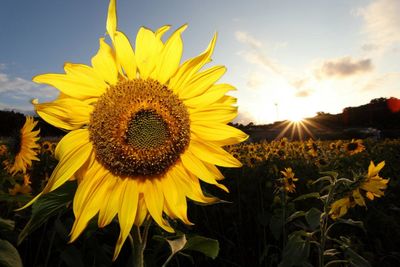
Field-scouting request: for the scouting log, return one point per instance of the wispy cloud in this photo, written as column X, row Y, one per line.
column 246, row 38
column 381, row 23
column 255, row 79
column 17, row 92
column 343, row 67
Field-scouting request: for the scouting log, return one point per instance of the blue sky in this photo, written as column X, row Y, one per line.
column 288, row 59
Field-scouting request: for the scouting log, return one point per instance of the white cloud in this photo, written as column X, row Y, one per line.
column 246, row 38
column 17, row 92
column 382, row 23
column 255, row 79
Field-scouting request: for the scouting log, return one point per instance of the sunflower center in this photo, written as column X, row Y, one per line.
column 352, row 146
column 147, row 129
column 139, row 128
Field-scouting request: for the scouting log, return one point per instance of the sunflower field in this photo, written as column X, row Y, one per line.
column 293, row 203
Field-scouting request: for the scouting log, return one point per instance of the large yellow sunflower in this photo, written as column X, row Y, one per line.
column 143, row 129
column 24, row 147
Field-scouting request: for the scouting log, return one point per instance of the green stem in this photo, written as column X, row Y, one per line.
column 139, row 241
column 283, row 201
column 324, row 225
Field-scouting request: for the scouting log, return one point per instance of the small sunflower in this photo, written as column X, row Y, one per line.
column 312, row 148
column 45, row 147
column 3, row 150
column 24, row 189
column 374, row 184
column 143, row 129
column 24, row 147
column 355, row 146
column 288, row 180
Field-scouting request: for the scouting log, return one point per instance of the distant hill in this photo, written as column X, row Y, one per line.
column 379, row 118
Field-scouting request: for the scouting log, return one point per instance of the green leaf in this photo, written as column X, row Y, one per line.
column 6, row 225
column 322, row 179
column 72, row 257
column 276, row 224
column 332, row 174
column 46, row 206
column 313, row 217
column 295, row 215
column 207, row 246
column 296, row 251
column 355, row 259
column 351, row 222
column 307, row 196
column 9, row 256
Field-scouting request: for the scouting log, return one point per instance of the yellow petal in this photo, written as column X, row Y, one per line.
column 196, row 166
column 154, row 198
column 111, row 24
column 170, row 57
column 146, row 51
column 65, row 113
column 215, row 93
column 72, row 157
column 217, row 131
column 104, row 63
column 127, row 211
column 218, row 113
column 175, row 200
column 184, row 74
column 125, row 55
column 201, row 82
column 189, row 184
column 70, row 85
column 93, row 201
column 213, row 154
column 111, row 202
column 160, row 32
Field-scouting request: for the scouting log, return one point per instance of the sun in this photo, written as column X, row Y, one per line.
column 295, row 117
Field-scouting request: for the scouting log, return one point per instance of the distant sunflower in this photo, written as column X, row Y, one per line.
column 3, row 150
column 143, row 129
column 45, row 147
column 355, row 146
column 288, row 180
column 312, row 148
column 24, row 147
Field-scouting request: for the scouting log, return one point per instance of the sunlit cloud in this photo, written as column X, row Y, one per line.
column 255, row 79
column 382, row 23
column 17, row 92
column 246, row 38
column 343, row 67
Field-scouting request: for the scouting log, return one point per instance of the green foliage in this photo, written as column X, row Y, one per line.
column 47, row 206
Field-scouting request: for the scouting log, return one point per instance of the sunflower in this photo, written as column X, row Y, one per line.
column 374, row 184
column 24, row 189
column 312, row 148
column 371, row 186
column 143, row 130
column 355, row 146
column 3, row 150
column 46, row 147
column 24, row 147
column 288, row 180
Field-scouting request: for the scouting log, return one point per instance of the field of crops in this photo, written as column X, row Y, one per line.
column 309, row 203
